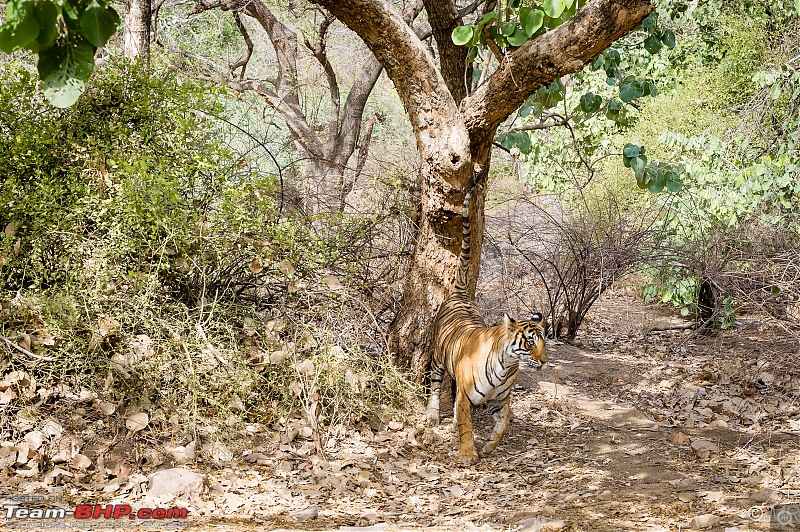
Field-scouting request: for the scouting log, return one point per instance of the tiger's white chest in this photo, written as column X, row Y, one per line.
column 494, row 379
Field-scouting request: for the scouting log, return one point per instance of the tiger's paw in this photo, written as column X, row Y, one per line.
column 432, row 418
column 468, row 460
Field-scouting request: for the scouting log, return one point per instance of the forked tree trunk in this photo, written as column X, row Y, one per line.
column 454, row 137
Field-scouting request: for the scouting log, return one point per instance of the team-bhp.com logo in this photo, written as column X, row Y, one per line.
column 16, row 509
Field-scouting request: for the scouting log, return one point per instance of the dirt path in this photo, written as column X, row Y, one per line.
column 618, row 435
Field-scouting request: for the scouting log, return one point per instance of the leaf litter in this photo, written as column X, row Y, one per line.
column 626, row 431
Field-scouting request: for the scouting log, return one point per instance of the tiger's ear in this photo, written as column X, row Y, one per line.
column 537, row 317
column 508, row 321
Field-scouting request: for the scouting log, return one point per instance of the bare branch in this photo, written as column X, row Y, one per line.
column 248, row 41
column 318, row 51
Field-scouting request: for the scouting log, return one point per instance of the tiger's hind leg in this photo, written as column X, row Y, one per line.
column 466, row 438
column 437, row 374
column 501, row 413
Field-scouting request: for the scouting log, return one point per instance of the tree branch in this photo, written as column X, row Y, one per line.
column 248, row 41
column 319, row 53
column 402, row 54
column 444, row 18
column 561, row 51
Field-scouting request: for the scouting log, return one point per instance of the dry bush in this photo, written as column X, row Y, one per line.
column 541, row 255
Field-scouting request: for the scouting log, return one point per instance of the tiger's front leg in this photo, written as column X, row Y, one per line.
column 501, row 412
column 466, row 439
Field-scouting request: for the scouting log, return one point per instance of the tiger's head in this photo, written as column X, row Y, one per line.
column 527, row 338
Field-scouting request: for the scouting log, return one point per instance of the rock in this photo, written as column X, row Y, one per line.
column 571, row 497
column 176, row 482
column 606, row 495
column 720, row 480
column 537, row 524
column 703, row 448
column 703, row 521
column 678, row 438
column 304, row 515
column 764, row 496
column 718, row 424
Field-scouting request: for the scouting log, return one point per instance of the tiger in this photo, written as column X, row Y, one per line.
column 482, row 360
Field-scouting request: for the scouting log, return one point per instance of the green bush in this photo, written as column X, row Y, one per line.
column 144, row 259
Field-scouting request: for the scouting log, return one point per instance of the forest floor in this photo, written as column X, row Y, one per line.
column 627, row 429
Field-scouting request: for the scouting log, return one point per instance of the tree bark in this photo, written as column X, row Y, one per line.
column 454, row 140
column 136, row 35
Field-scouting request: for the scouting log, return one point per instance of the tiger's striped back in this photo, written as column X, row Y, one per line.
column 484, row 361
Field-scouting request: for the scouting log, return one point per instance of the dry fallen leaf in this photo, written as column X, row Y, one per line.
column 256, row 266
column 136, row 422
column 286, row 267
column 81, row 461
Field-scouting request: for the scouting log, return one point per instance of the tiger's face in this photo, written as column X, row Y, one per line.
column 527, row 338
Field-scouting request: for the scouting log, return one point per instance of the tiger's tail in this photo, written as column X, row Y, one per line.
column 463, row 264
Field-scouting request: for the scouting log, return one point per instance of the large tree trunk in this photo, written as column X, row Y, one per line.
column 433, row 271
column 136, row 35
column 454, row 138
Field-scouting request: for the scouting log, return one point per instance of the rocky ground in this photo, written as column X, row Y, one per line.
column 629, row 429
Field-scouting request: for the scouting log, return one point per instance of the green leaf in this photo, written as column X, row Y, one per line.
column 631, row 150
column 21, row 26
column 507, row 28
column 553, row 8
column 674, row 184
column 462, row 35
column 517, row 38
column 487, row 18
column 652, row 44
column 629, row 92
column 638, row 164
column 668, row 38
column 46, row 14
column 524, row 142
column 472, row 54
column 775, row 91
column 532, row 20
column 797, row 6
column 98, row 23
column 569, row 3
column 524, row 111
column 64, row 71
column 590, row 102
